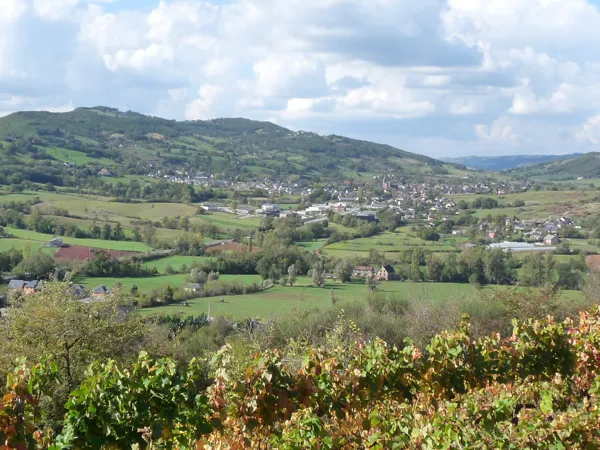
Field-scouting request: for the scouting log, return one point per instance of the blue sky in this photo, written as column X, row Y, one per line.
column 438, row 77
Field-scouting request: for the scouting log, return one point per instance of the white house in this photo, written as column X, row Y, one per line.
column 210, row 206
column 270, row 208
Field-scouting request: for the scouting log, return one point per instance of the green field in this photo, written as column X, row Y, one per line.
column 19, row 244
column 312, row 246
column 75, row 157
column 281, row 301
column 388, row 243
column 91, row 209
column 229, row 222
column 539, row 204
column 146, row 284
column 175, row 262
column 40, row 238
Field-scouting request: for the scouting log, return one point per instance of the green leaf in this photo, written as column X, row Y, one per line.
column 546, row 403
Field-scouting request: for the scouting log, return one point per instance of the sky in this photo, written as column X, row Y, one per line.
column 437, row 77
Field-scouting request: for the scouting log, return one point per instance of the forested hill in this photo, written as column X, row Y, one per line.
column 233, row 147
column 581, row 166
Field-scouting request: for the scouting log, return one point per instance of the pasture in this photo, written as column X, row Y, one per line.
column 32, row 236
column 229, row 222
column 389, row 244
column 538, row 204
column 146, row 284
column 175, row 262
column 93, row 209
column 281, row 301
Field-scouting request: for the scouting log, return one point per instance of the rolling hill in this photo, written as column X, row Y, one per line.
column 133, row 143
column 498, row 163
column 581, row 166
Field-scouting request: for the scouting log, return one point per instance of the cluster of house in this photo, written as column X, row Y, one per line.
column 400, row 191
column 25, row 287
column 34, row 286
column 385, row 273
column 182, row 176
column 533, row 231
column 267, row 209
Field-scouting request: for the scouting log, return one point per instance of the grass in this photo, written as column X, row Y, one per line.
column 312, row 246
column 175, row 262
column 103, row 209
column 41, row 238
column 387, row 243
column 229, row 222
column 18, row 244
column 538, row 204
column 146, row 284
column 284, row 301
column 76, row 157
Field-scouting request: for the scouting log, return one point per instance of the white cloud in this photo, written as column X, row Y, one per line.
column 590, row 131
column 54, row 9
column 140, row 59
column 11, row 10
column 464, row 107
column 201, row 108
column 498, row 131
column 434, row 68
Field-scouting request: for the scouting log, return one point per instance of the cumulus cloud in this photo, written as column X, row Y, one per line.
column 590, row 131
column 54, row 9
column 12, row 10
column 201, row 108
column 433, row 74
column 498, row 131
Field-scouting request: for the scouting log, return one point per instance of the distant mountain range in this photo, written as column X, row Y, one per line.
column 579, row 166
column 498, row 163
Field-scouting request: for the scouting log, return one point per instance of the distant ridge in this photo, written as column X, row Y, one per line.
column 498, row 163
column 136, row 144
column 584, row 166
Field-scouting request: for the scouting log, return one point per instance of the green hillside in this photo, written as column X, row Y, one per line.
column 586, row 166
column 135, row 144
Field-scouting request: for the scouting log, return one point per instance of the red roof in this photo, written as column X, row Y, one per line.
column 78, row 253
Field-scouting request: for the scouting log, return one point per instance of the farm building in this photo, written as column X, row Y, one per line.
column 386, row 273
column 363, row 271
column 551, row 239
column 56, row 243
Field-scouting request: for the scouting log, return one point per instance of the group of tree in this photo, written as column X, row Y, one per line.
column 103, row 264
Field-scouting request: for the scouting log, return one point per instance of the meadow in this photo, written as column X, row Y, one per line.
column 175, row 262
column 538, row 204
column 389, row 244
column 93, row 209
column 32, row 236
column 19, row 244
column 281, row 301
column 145, row 284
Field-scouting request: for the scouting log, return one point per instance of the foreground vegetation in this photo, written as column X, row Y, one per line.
column 536, row 386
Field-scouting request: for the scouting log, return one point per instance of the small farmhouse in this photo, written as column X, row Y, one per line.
column 363, row 271
column 100, row 291
column 386, row 273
